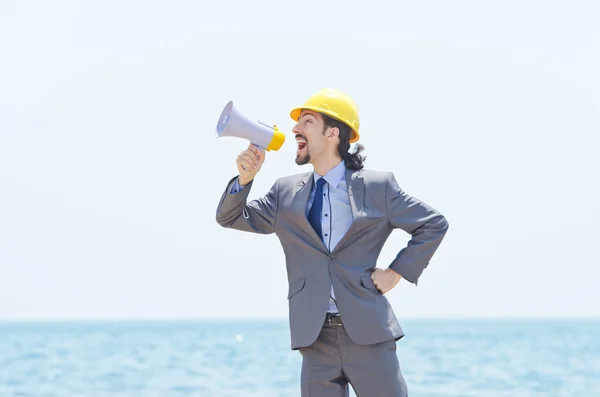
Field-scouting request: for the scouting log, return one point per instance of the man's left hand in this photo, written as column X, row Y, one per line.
column 385, row 280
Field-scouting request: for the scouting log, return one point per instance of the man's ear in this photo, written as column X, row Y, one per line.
column 333, row 132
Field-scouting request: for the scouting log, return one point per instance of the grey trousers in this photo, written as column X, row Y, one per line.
column 334, row 362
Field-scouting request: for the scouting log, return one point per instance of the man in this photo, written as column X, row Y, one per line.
column 332, row 224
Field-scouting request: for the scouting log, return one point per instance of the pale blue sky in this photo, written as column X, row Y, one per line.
column 110, row 171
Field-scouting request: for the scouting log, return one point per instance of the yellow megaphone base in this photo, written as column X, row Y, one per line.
column 277, row 140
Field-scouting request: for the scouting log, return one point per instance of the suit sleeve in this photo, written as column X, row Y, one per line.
column 256, row 216
column 426, row 226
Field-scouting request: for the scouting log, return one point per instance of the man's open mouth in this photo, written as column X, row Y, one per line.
column 301, row 143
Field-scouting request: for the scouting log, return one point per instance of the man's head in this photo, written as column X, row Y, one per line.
column 326, row 126
column 318, row 137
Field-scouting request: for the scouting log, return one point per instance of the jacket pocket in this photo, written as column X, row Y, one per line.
column 296, row 287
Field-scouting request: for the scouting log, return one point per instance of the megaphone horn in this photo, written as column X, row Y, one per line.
column 232, row 123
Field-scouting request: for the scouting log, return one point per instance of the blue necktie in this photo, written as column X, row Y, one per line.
column 314, row 216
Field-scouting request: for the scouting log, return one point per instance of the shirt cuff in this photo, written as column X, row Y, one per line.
column 236, row 186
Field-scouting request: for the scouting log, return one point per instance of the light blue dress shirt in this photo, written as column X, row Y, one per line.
column 336, row 213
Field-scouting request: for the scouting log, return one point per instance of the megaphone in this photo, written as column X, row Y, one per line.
column 232, row 123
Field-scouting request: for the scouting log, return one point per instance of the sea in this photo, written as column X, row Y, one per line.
column 252, row 358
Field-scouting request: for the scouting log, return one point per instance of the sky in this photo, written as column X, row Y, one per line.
column 110, row 170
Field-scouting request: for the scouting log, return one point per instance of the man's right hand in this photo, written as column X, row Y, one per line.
column 249, row 163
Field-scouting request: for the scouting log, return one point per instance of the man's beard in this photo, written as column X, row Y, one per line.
column 302, row 160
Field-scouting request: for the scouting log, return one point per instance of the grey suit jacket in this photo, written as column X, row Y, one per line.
column 379, row 206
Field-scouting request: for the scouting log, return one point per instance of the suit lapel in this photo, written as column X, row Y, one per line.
column 302, row 193
column 356, row 196
column 356, row 193
column 300, row 202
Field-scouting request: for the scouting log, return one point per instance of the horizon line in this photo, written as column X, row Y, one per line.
column 282, row 318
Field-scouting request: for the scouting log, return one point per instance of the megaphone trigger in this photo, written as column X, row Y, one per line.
column 233, row 123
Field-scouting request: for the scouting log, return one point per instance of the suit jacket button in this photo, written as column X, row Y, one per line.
column 331, row 257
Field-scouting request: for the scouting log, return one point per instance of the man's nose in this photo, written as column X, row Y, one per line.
column 296, row 130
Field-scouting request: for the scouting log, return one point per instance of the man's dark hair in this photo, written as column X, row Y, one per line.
column 353, row 161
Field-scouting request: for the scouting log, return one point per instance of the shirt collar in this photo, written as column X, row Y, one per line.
column 334, row 176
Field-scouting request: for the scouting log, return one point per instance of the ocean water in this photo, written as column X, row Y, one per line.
column 458, row 358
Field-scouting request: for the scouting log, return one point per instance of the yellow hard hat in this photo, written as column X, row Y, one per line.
column 335, row 104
